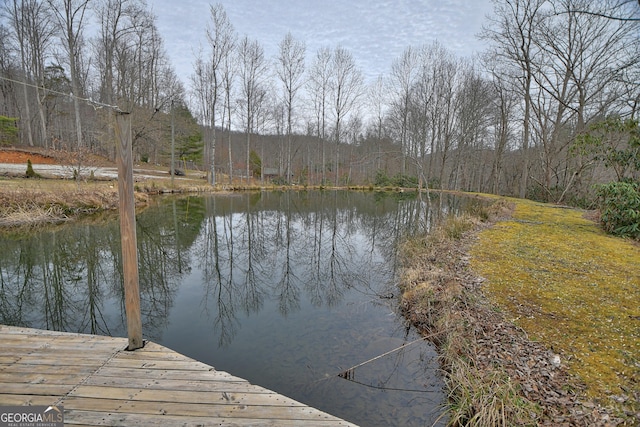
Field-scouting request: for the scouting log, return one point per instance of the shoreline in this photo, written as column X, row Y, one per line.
column 495, row 375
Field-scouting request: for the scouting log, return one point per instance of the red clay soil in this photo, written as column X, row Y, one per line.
column 20, row 156
column 41, row 156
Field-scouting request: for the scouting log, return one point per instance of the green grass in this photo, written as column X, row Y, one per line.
column 571, row 286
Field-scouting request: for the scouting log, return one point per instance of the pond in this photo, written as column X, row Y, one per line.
column 289, row 290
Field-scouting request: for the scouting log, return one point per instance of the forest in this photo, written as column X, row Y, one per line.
column 547, row 111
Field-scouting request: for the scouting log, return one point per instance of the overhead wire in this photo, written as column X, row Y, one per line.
column 95, row 104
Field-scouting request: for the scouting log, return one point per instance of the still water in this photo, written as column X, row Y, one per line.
column 285, row 289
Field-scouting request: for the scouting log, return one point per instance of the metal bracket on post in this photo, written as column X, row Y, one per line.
column 128, row 229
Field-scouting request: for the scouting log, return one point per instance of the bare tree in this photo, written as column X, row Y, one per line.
column 404, row 71
column 252, row 73
column 220, row 34
column 33, row 34
column 70, row 17
column 8, row 66
column 202, row 89
column 346, row 89
column 116, row 22
column 229, row 70
column 617, row 10
column 579, row 75
column 377, row 99
column 435, row 109
column 290, row 70
column 512, row 29
column 473, row 118
column 318, row 85
column 17, row 20
column 504, row 105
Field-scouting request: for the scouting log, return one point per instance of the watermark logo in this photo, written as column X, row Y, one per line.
column 31, row 416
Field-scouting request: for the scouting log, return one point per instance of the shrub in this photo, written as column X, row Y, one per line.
column 30, row 172
column 620, row 208
column 398, row 180
column 381, row 179
column 404, row 181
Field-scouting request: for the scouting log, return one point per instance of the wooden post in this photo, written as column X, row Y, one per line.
column 128, row 230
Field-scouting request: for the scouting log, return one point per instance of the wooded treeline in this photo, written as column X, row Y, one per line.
column 502, row 122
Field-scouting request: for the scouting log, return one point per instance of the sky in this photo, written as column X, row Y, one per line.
column 375, row 31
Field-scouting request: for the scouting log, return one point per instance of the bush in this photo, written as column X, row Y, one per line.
column 279, row 180
column 620, row 208
column 404, row 181
column 382, row 179
column 398, row 180
column 30, row 172
column 8, row 130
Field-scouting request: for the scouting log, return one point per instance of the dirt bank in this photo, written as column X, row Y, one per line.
column 41, row 156
column 21, row 157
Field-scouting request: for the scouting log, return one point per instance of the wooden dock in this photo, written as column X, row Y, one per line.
column 99, row 383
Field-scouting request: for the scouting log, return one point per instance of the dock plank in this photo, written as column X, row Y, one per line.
column 94, row 418
column 43, row 389
column 210, row 409
column 183, row 396
column 99, row 383
column 178, row 384
column 167, row 374
column 27, row 399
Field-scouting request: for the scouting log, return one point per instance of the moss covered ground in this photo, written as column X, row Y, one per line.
column 572, row 287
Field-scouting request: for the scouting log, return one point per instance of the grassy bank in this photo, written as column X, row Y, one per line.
column 574, row 288
column 33, row 201
column 534, row 317
column 28, row 202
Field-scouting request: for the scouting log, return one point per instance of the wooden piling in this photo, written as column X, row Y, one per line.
column 128, row 230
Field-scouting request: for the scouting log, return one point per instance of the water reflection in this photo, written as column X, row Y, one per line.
column 284, row 289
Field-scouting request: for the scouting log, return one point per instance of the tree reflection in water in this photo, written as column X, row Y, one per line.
column 208, row 265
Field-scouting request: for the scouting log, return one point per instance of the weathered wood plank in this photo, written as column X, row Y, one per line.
column 46, row 370
column 151, row 346
column 29, row 377
column 9, row 360
column 178, row 384
column 26, row 399
column 43, row 389
column 141, row 363
column 195, row 410
column 50, row 340
column 25, row 345
column 99, row 383
column 211, row 375
column 183, row 396
column 10, row 352
column 167, row 354
column 53, row 360
column 94, row 418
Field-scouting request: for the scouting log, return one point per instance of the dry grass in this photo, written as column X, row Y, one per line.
column 436, row 300
column 493, row 398
column 29, row 202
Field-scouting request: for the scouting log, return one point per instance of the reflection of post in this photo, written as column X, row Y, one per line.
column 128, row 230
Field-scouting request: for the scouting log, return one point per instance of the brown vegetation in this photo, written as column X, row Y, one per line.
column 20, row 207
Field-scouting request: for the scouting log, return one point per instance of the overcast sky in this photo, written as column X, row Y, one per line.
column 374, row 31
